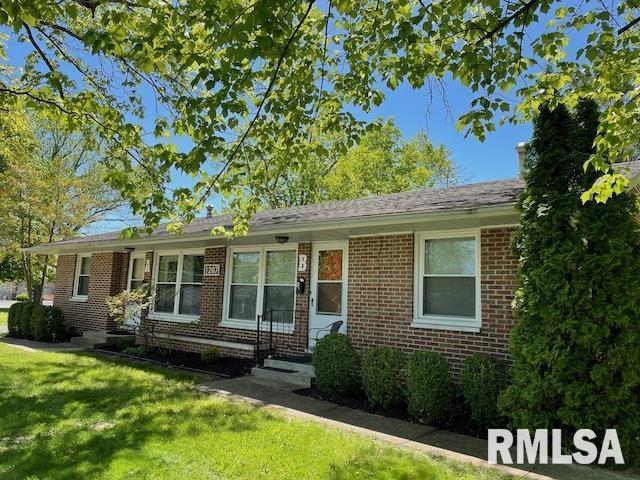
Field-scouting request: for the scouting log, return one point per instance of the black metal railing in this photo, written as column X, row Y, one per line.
column 269, row 328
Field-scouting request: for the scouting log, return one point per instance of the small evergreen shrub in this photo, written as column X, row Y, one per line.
column 37, row 322
column 13, row 320
column 383, row 376
column 429, row 387
column 136, row 351
column 47, row 323
column 22, row 297
column 336, row 364
column 483, row 380
column 125, row 342
column 25, row 319
column 210, row 355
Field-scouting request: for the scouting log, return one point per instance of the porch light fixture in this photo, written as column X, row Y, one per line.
column 282, row 239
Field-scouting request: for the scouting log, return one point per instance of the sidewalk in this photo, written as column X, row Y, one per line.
column 31, row 346
column 399, row 433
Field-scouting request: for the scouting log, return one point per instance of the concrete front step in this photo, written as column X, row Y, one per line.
column 288, row 365
column 301, row 379
column 96, row 339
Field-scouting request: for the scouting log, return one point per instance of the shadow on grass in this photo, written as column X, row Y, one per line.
column 69, row 415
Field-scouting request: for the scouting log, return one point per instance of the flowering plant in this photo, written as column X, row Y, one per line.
column 129, row 304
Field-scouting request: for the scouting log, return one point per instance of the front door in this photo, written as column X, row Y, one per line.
column 135, row 280
column 328, row 296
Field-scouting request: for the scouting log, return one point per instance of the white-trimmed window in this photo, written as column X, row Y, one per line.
column 136, row 271
column 260, row 281
column 178, row 284
column 448, row 280
column 82, row 276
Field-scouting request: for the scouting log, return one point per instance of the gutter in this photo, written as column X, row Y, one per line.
column 296, row 227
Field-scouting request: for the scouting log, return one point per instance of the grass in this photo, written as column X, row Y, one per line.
column 3, row 318
column 79, row 416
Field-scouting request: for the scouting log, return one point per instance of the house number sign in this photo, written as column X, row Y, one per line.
column 212, row 270
column 302, row 263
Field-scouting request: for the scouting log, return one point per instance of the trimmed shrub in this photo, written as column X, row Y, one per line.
column 37, row 322
column 137, row 351
column 125, row 342
column 13, row 320
column 47, row 323
column 336, row 364
column 55, row 322
column 383, row 376
column 25, row 319
column 22, row 297
column 483, row 380
column 429, row 387
column 210, row 355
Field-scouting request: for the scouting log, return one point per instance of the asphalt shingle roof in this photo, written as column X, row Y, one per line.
column 459, row 197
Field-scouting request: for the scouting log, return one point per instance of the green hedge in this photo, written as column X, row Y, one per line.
column 13, row 320
column 47, row 323
column 25, row 319
column 483, row 380
column 383, row 376
column 429, row 387
column 337, row 365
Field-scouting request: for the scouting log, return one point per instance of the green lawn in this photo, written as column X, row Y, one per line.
column 78, row 416
column 3, row 319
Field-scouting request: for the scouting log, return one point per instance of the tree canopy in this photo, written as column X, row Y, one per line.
column 383, row 162
column 51, row 189
column 244, row 77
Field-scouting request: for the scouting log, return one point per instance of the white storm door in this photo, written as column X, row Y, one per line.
column 328, row 295
column 135, row 280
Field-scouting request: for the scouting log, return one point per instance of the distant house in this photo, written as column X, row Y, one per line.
column 424, row 270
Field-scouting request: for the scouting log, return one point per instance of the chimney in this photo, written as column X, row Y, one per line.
column 521, row 148
column 209, row 211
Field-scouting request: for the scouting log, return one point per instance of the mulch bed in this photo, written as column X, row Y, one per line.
column 225, row 366
column 460, row 421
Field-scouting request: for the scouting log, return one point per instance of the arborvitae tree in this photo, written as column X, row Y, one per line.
column 576, row 344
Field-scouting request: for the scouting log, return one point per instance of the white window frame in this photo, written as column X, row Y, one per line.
column 444, row 322
column 175, row 316
column 76, row 278
column 132, row 257
column 242, row 324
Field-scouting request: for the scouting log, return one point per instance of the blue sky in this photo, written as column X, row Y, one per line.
column 477, row 161
column 412, row 110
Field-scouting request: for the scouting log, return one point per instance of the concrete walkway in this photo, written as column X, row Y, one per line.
column 31, row 346
column 399, row 433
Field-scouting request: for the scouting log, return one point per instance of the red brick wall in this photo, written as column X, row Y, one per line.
column 211, row 312
column 380, row 299
column 380, row 305
column 108, row 276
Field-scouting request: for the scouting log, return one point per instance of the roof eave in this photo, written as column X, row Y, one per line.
column 374, row 220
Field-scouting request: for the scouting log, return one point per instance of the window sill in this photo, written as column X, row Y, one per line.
column 249, row 325
column 166, row 317
column 459, row 325
column 79, row 299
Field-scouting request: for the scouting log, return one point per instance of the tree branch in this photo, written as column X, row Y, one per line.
column 507, row 20
column 272, row 82
column 41, row 53
column 629, row 25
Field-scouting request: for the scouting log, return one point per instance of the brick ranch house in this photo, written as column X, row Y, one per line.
column 424, row 270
